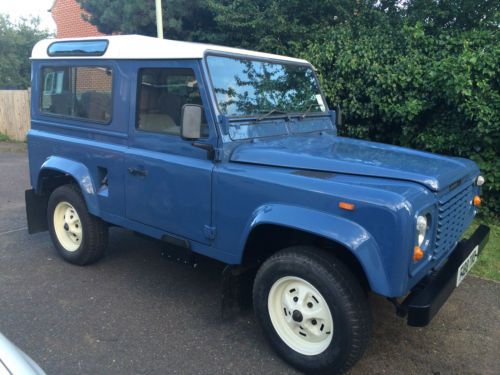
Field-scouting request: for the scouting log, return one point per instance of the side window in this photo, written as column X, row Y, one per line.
column 161, row 94
column 77, row 91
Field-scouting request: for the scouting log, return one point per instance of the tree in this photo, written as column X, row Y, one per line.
column 183, row 19
column 16, row 42
column 281, row 26
column 272, row 25
column 459, row 15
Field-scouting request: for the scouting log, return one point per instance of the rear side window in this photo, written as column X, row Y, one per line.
column 162, row 92
column 77, row 91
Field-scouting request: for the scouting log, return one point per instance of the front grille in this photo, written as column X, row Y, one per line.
column 454, row 214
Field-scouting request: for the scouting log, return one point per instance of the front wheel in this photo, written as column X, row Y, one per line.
column 312, row 309
column 79, row 237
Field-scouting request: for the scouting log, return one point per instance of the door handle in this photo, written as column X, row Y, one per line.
column 137, row 172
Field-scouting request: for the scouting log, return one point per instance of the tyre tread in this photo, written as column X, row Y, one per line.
column 358, row 311
column 96, row 233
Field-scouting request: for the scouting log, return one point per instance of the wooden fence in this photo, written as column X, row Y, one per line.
column 15, row 113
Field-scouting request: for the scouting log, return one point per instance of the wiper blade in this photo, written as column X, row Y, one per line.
column 308, row 110
column 272, row 111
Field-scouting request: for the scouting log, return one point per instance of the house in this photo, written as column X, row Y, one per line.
column 67, row 15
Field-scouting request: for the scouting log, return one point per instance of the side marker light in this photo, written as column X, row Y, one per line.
column 347, row 206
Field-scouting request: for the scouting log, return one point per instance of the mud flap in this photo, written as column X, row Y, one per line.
column 36, row 211
column 236, row 293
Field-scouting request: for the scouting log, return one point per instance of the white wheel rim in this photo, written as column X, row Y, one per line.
column 67, row 226
column 300, row 315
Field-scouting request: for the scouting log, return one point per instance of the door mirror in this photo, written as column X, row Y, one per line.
column 191, row 121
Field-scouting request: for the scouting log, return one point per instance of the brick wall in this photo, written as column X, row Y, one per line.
column 69, row 22
column 92, row 79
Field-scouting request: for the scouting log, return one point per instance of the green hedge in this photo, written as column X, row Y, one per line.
column 405, row 86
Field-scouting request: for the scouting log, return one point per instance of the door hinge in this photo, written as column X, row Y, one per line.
column 213, row 153
column 209, row 232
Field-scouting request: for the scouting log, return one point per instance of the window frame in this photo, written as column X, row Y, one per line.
column 138, row 99
column 262, row 59
column 76, row 118
column 78, row 54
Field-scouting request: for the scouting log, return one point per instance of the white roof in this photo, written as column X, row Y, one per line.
column 145, row 47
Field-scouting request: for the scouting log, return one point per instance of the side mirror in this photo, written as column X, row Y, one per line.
column 338, row 112
column 191, row 121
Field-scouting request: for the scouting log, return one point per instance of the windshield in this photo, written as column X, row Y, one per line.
column 246, row 87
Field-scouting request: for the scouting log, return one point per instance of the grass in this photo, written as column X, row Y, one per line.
column 488, row 264
column 6, row 138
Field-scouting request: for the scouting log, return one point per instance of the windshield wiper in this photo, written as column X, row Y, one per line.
column 272, row 111
column 308, row 110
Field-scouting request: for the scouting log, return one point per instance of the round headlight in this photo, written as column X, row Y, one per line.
column 421, row 223
column 480, row 180
column 422, row 226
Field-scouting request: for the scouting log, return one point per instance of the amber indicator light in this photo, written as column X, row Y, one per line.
column 476, row 200
column 418, row 253
column 347, row 206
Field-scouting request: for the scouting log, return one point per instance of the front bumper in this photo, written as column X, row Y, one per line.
column 423, row 303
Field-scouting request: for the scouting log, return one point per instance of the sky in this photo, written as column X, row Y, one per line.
column 26, row 8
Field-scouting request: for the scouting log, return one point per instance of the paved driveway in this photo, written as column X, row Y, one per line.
column 137, row 313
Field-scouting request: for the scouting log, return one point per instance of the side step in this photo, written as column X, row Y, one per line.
column 179, row 250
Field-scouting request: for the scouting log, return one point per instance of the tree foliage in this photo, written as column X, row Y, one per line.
column 459, row 15
column 16, row 42
column 183, row 19
column 280, row 25
column 440, row 94
column 418, row 73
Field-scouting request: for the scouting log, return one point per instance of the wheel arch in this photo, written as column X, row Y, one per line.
column 280, row 226
column 57, row 171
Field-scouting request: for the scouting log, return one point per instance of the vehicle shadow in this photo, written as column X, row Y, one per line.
column 147, row 314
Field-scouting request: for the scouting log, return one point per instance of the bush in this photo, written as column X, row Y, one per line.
column 407, row 86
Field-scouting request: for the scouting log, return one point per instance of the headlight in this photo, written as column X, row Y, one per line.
column 422, row 226
column 479, row 180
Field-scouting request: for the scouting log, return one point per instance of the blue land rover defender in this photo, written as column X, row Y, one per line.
column 234, row 155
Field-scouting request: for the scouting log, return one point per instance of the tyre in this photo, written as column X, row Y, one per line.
column 312, row 310
column 79, row 237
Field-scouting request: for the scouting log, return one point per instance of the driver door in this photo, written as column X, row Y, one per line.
column 168, row 183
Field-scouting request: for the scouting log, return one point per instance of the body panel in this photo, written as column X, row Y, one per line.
column 339, row 229
column 80, row 173
column 344, row 155
column 14, row 361
column 249, row 191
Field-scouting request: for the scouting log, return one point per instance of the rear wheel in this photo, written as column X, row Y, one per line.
column 312, row 310
column 79, row 237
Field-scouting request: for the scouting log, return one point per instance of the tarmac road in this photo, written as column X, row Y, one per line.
column 135, row 312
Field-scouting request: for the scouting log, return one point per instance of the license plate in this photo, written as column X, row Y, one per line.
column 467, row 264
